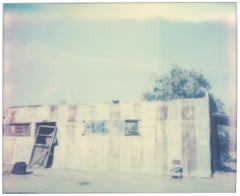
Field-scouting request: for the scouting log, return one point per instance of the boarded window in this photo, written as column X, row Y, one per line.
column 131, row 127
column 112, row 127
column 20, row 129
column 95, row 127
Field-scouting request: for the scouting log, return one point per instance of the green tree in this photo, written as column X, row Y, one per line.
column 179, row 84
column 224, row 141
column 220, row 105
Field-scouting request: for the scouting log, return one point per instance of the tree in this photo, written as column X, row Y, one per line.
column 180, row 84
column 224, row 141
column 220, row 105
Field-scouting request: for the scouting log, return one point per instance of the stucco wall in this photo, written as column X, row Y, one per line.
column 182, row 131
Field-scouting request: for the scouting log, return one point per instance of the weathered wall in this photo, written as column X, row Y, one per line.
column 178, row 129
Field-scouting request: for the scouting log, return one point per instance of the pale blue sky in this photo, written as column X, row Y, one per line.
column 93, row 53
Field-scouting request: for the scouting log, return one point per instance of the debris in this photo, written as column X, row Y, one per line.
column 20, row 168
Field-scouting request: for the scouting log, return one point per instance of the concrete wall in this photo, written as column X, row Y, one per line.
column 177, row 129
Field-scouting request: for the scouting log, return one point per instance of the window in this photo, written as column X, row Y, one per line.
column 44, row 124
column 131, row 127
column 95, row 127
column 112, row 127
column 16, row 129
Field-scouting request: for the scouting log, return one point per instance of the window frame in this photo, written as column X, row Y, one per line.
column 92, row 124
column 25, row 132
column 132, row 133
column 121, row 132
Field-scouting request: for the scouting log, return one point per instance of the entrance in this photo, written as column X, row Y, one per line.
column 43, row 149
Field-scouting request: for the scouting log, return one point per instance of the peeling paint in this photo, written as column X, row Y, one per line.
column 115, row 112
column 72, row 112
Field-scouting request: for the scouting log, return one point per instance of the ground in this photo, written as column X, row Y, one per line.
column 78, row 181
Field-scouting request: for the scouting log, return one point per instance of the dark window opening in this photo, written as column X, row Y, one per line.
column 45, row 134
column 44, row 124
column 131, row 127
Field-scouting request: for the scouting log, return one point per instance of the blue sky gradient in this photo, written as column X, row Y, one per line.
column 63, row 52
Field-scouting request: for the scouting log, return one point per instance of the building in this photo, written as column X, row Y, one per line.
column 142, row 137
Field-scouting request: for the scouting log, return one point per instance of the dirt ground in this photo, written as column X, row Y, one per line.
column 77, row 181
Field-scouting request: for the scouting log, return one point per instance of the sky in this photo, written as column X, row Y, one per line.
column 96, row 53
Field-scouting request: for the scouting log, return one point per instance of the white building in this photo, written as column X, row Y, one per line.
column 143, row 137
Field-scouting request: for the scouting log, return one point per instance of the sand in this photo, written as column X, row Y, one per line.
column 78, row 181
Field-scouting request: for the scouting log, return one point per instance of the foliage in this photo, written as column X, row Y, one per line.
column 220, row 106
column 223, row 134
column 224, row 141
column 181, row 83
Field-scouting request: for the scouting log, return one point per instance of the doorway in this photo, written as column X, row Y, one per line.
column 45, row 141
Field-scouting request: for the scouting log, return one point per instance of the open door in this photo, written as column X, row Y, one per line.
column 43, row 149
